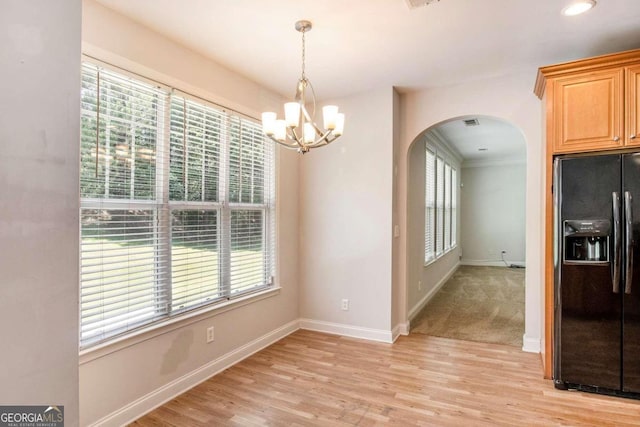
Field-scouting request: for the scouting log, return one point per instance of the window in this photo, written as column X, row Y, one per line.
column 447, row 207
column 454, row 205
column 440, row 205
column 430, row 208
column 177, row 204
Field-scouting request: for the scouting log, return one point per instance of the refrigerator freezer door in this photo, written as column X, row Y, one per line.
column 631, row 307
column 589, row 310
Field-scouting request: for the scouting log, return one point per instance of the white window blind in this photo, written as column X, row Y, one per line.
column 120, row 245
column 454, row 205
column 195, row 264
column 194, row 185
column 440, row 205
column 430, row 205
column 249, row 182
column 177, row 204
column 447, row 207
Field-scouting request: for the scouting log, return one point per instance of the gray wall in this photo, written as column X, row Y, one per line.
column 493, row 214
column 346, row 219
column 39, row 133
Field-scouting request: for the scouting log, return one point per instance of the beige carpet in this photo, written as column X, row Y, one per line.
column 479, row 304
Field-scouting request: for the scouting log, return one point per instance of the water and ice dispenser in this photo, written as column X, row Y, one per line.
column 586, row 241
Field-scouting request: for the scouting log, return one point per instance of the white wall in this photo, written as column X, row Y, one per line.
column 39, row 132
column 119, row 381
column 492, row 214
column 423, row 282
column 508, row 97
column 346, row 222
column 397, row 322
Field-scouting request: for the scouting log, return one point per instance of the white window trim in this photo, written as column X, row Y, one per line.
column 443, row 152
column 171, row 324
column 232, row 301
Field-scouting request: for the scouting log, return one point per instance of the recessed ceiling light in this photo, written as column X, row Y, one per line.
column 417, row 3
column 578, row 7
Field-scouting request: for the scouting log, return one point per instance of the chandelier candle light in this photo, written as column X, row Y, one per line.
column 298, row 130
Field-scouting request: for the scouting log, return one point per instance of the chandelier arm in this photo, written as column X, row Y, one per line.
column 283, row 143
column 324, row 139
column 322, row 134
column 306, row 115
column 313, row 97
column 295, row 137
column 321, row 142
column 319, row 131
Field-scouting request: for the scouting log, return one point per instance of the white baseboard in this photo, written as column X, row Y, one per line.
column 530, row 345
column 400, row 329
column 149, row 402
column 347, row 330
column 425, row 300
column 488, row 263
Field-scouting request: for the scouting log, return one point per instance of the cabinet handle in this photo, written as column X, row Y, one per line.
column 616, row 138
column 632, row 137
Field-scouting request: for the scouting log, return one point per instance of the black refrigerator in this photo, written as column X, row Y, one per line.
column 597, row 291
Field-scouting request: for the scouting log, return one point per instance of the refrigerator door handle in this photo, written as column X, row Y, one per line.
column 615, row 274
column 628, row 242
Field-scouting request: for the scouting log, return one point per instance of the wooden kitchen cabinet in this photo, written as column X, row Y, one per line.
column 632, row 129
column 592, row 104
column 588, row 110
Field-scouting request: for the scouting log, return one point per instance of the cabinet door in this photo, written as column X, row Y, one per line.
column 633, row 105
column 588, row 111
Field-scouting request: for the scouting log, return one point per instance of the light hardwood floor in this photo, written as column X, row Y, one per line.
column 315, row 379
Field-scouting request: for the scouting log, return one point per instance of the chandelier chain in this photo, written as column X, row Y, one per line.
column 303, row 53
column 298, row 131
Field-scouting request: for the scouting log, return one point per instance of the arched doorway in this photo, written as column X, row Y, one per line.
column 466, row 230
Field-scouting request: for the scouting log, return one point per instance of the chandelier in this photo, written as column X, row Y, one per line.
column 298, row 130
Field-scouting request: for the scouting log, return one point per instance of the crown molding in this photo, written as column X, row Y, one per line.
column 582, row 65
column 433, row 136
column 505, row 161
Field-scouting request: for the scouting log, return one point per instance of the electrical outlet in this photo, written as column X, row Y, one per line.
column 210, row 334
column 419, row 285
column 345, row 304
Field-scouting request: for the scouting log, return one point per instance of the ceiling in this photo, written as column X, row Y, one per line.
column 492, row 140
column 357, row 45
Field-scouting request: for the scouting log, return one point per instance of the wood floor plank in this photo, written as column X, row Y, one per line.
column 315, row 379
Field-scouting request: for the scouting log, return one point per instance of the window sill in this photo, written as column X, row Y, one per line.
column 428, row 263
column 177, row 322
